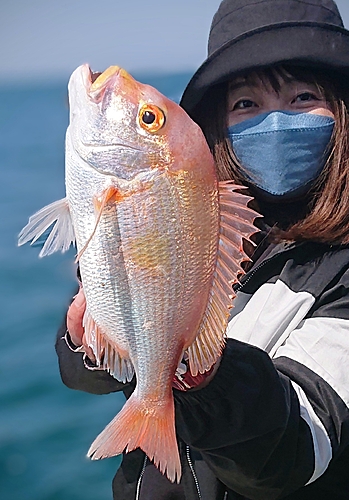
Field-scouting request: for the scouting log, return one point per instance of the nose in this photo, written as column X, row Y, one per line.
column 273, row 102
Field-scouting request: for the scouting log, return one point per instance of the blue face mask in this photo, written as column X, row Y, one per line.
column 282, row 153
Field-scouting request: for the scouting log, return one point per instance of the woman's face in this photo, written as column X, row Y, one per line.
column 246, row 100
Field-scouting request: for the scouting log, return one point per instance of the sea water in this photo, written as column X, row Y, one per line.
column 45, row 428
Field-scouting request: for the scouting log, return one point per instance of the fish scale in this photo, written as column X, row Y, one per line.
column 98, row 263
column 159, row 241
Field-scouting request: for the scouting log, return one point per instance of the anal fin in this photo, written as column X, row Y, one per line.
column 108, row 355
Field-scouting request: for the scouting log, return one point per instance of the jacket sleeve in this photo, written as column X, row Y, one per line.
column 75, row 375
column 246, row 423
column 269, row 424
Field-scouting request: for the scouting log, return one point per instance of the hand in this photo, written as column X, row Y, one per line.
column 75, row 318
column 184, row 380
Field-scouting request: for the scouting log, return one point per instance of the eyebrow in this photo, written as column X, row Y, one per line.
column 234, row 86
column 239, row 85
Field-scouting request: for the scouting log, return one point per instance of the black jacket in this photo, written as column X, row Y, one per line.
column 274, row 421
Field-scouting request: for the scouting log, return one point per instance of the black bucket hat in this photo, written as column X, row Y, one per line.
column 251, row 34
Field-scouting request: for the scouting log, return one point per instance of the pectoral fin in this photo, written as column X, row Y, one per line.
column 109, row 195
column 60, row 237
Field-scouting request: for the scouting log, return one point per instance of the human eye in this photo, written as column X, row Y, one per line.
column 243, row 104
column 306, row 97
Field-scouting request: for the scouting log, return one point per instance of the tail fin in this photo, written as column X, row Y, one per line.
column 140, row 426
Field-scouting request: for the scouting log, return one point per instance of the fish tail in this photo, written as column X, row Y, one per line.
column 149, row 427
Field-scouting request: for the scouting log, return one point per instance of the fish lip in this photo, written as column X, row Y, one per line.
column 89, row 78
column 100, row 147
column 84, row 149
column 148, row 174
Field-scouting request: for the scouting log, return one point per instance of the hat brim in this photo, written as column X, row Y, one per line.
column 311, row 44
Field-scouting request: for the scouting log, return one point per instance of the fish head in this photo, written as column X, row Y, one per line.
column 124, row 128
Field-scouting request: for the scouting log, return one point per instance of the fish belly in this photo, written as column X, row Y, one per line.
column 148, row 269
column 147, row 274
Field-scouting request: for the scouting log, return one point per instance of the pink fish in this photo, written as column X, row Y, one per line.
column 159, row 243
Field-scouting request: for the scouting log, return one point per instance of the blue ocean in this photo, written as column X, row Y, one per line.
column 45, row 428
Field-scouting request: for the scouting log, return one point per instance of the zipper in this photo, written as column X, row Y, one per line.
column 138, row 490
column 249, row 275
column 190, row 463
column 246, row 278
column 274, row 254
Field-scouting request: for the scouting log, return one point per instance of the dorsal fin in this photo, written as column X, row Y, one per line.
column 236, row 223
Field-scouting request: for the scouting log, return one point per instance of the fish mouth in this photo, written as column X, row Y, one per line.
column 91, row 154
column 101, row 148
column 94, row 75
column 97, row 82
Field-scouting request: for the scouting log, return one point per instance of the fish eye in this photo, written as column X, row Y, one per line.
column 148, row 117
column 151, row 118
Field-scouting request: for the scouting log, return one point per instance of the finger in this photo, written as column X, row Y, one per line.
column 185, row 381
column 75, row 316
column 88, row 351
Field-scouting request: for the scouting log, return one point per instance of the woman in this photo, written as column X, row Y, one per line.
column 272, row 420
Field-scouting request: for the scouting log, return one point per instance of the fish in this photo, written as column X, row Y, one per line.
column 159, row 243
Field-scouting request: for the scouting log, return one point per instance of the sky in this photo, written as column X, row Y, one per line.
column 49, row 38
column 46, row 39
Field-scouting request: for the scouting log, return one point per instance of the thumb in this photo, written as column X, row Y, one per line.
column 75, row 316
